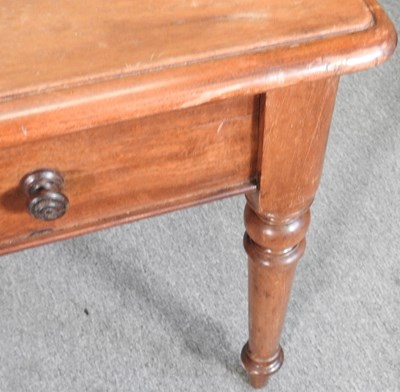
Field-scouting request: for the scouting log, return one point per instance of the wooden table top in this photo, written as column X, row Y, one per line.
column 51, row 43
column 72, row 65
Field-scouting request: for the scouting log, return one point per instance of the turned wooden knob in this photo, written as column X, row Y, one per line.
column 43, row 189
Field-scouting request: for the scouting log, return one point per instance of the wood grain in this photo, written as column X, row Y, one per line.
column 294, row 130
column 134, row 168
column 146, row 107
column 111, row 39
column 287, row 185
column 69, row 108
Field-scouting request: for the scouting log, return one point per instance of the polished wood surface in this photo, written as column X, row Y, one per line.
column 295, row 123
column 145, row 107
column 134, row 168
column 75, row 42
column 41, row 113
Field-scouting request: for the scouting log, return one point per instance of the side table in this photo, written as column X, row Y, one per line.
column 113, row 112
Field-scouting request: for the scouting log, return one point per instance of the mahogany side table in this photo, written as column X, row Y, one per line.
column 117, row 111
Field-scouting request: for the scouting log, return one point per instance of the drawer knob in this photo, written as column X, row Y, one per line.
column 43, row 189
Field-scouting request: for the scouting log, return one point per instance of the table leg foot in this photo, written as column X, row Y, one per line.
column 259, row 372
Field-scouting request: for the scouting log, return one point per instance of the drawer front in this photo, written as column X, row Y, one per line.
column 132, row 169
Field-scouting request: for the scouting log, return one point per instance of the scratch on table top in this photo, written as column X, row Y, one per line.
column 24, row 130
column 220, row 127
column 249, row 15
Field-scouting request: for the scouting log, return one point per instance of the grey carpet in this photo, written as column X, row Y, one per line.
column 160, row 305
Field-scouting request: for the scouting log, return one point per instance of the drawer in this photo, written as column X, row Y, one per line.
column 133, row 169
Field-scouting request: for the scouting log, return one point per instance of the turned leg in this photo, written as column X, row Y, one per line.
column 274, row 245
column 294, row 127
